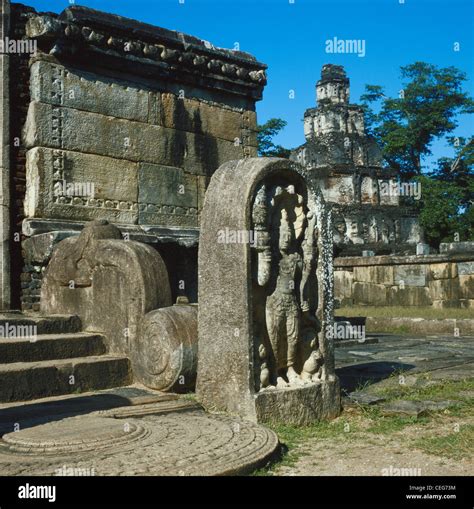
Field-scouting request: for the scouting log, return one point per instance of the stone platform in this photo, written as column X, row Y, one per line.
column 168, row 437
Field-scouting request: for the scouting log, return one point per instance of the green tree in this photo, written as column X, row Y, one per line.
column 265, row 134
column 446, row 212
column 426, row 109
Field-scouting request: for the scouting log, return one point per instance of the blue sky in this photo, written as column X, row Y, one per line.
column 291, row 39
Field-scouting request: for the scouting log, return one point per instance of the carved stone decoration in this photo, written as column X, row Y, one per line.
column 166, row 348
column 266, row 306
column 284, row 266
column 340, row 230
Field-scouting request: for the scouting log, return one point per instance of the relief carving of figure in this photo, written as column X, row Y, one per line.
column 286, row 257
column 340, row 231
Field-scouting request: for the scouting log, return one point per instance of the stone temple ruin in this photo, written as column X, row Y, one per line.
column 347, row 164
column 133, row 145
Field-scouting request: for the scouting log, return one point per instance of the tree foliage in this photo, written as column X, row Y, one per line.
column 265, row 134
column 405, row 127
column 426, row 109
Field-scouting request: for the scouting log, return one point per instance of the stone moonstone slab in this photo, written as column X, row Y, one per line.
column 69, row 435
column 124, row 443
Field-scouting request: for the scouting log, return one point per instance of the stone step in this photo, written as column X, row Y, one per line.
column 23, row 381
column 16, row 324
column 51, row 346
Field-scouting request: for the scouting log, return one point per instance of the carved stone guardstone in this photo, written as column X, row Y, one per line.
column 266, row 295
column 114, row 285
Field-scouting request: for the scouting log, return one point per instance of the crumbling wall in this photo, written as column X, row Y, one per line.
column 442, row 281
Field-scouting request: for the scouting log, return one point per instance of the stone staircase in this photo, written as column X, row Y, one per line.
column 58, row 359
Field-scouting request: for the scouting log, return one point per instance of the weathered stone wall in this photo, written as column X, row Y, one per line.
column 441, row 281
column 127, row 122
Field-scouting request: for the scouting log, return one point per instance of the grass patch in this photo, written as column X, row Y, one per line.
column 404, row 312
column 292, row 436
column 441, row 390
column 189, row 396
column 366, row 423
column 457, row 445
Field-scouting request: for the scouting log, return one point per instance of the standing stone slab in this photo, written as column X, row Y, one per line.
column 266, row 295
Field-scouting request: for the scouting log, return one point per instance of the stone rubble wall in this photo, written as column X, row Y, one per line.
column 440, row 281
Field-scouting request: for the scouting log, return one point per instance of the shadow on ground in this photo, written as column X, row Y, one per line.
column 356, row 376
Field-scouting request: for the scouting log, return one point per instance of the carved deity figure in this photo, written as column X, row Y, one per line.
column 286, row 258
column 340, row 231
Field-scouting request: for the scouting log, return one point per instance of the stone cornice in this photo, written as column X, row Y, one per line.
column 82, row 34
column 348, row 262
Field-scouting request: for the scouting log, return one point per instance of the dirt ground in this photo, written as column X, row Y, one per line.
column 361, row 453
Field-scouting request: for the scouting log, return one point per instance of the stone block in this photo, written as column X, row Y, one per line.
column 203, row 118
column 410, row 275
column 465, row 268
column 380, row 274
column 445, row 270
column 343, row 280
column 80, row 131
column 446, row 304
column 301, row 406
column 169, row 196
column 466, row 287
column 467, row 303
column 456, row 247
column 408, row 296
column 444, row 289
column 59, row 86
column 362, row 274
column 422, row 249
column 369, row 294
column 39, row 248
column 113, row 182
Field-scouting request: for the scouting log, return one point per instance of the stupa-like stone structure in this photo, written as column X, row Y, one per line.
column 347, row 164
